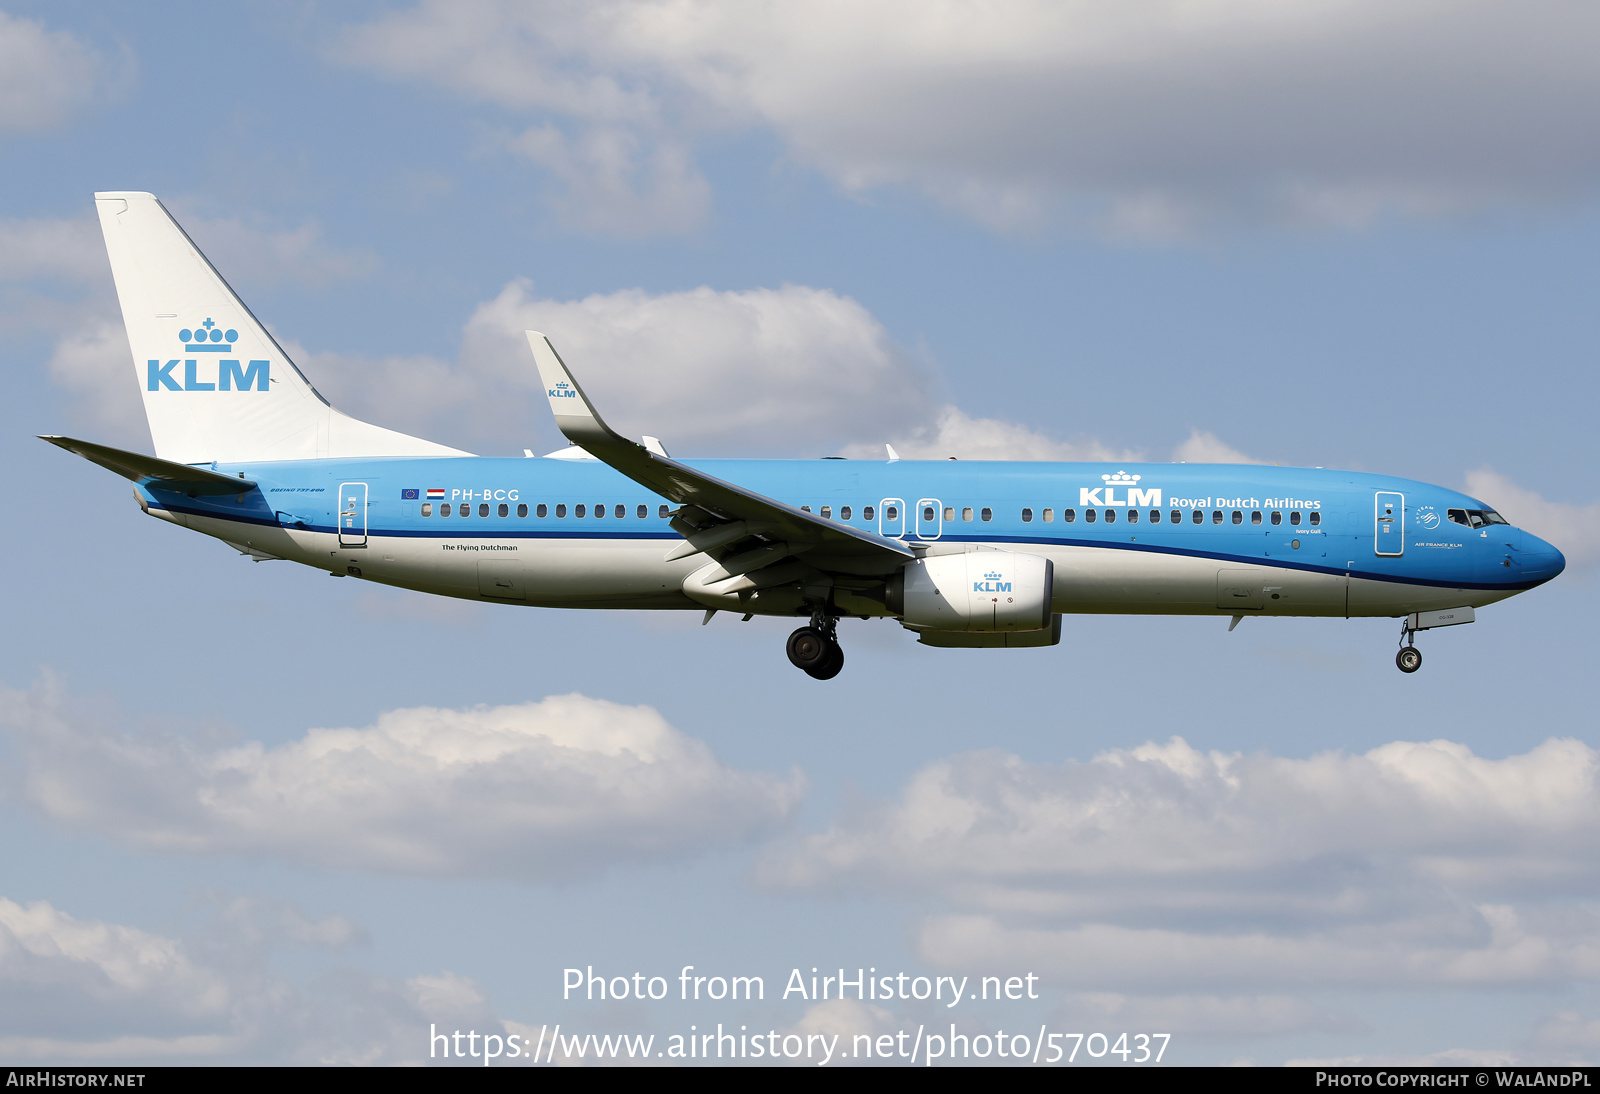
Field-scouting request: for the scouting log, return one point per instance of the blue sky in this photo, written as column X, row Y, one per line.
column 1344, row 236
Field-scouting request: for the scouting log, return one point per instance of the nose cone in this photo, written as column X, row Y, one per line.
column 1540, row 561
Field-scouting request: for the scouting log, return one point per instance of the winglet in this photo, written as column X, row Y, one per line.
column 575, row 416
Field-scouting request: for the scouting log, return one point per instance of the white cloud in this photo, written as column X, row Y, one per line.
column 250, row 252
column 953, row 432
column 1575, row 529
column 709, row 372
column 95, row 366
column 85, row 991
column 1203, row 447
column 46, row 76
column 616, row 181
column 1165, row 868
column 69, row 250
column 1149, row 118
column 566, row 786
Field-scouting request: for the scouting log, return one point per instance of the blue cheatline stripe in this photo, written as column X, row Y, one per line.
column 472, row 529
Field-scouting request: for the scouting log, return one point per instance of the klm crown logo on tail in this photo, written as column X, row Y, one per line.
column 229, row 376
column 563, row 390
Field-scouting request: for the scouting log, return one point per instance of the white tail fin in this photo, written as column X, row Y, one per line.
column 216, row 385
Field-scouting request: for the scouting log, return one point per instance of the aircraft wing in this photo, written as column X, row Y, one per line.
column 158, row 474
column 730, row 512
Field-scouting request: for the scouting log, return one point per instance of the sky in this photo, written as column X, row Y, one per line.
column 249, row 817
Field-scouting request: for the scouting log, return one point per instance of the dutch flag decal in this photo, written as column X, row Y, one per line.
column 437, row 492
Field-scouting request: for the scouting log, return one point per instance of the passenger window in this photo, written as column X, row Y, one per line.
column 1294, row 517
column 827, row 512
column 805, row 508
column 1068, row 516
column 1091, row 515
column 599, row 511
column 1133, row 516
column 1049, row 516
column 966, row 513
column 483, row 509
column 892, row 513
column 950, row 513
column 1111, row 516
column 427, row 508
column 561, row 511
column 642, row 512
column 622, row 511
column 927, row 514
column 1255, row 518
column 987, row 514
column 522, row 510
column 444, row 509
column 866, row 512
column 580, row 510
column 1027, row 516
column 505, row 510
column 1277, row 517
column 1316, row 518
column 1216, row 516
column 1197, row 516
column 1177, row 517
column 1155, row 516
column 464, row 510
column 542, row 511
column 1238, row 517
column 844, row 512
column 663, row 511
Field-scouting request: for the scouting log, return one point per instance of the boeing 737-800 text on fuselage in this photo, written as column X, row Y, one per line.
column 964, row 554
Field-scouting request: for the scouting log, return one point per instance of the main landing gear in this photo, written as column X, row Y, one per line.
column 815, row 651
column 1409, row 659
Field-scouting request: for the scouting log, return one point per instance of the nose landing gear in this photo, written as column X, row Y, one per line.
column 1409, row 659
column 815, row 651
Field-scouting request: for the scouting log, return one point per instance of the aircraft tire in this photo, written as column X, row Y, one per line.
column 808, row 649
column 1409, row 659
column 831, row 664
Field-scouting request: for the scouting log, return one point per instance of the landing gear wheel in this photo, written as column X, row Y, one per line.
column 808, row 649
column 830, row 665
column 1409, row 659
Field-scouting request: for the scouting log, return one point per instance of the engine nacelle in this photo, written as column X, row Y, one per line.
column 977, row 591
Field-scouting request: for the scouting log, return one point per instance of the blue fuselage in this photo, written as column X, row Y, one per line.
column 1124, row 537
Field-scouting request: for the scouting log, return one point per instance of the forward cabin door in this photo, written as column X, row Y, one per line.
column 352, row 514
column 1389, row 524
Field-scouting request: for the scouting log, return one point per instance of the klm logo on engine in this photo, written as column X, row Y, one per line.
column 1107, row 494
column 228, row 374
column 563, row 390
column 992, row 583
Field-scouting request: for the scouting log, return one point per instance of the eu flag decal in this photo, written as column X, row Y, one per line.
column 408, row 495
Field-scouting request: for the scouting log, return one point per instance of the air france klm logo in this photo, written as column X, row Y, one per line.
column 1107, row 494
column 563, row 390
column 229, row 375
column 993, row 582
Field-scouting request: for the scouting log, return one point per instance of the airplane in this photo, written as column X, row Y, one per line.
column 964, row 554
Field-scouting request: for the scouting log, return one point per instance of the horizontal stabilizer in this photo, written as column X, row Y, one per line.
column 154, row 473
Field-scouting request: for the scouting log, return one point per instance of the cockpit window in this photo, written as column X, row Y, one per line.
column 1476, row 518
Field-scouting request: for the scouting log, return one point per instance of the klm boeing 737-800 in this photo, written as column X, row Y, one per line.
column 963, row 554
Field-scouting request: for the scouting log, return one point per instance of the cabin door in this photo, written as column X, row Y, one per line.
column 1389, row 524
column 352, row 514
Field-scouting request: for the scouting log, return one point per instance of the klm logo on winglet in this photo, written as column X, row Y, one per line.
column 229, row 375
column 992, row 583
column 1134, row 496
column 563, row 390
